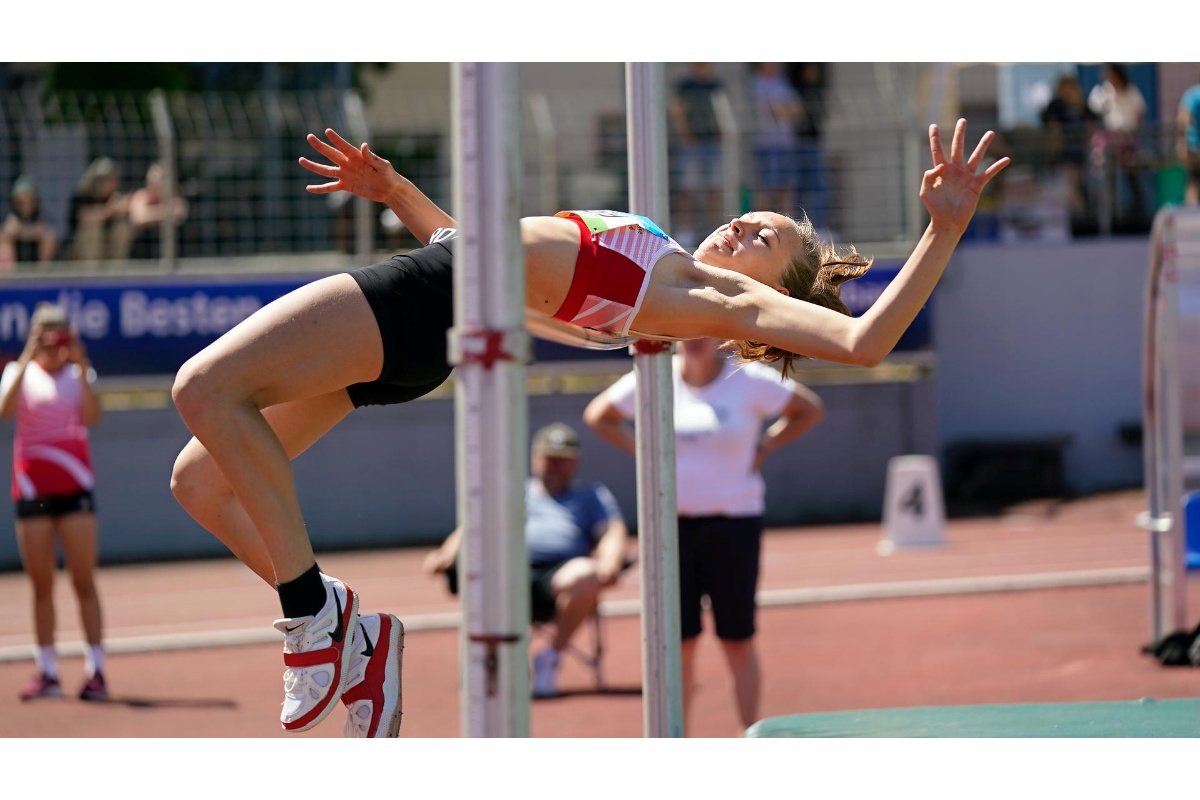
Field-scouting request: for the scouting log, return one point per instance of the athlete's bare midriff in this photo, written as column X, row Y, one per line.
column 680, row 299
column 551, row 247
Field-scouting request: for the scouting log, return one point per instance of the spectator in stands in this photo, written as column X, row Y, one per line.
column 1119, row 103
column 728, row 419
column 49, row 391
column 26, row 237
column 577, row 541
column 99, row 215
column 1069, row 124
column 777, row 109
column 1187, row 145
column 148, row 209
column 696, row 163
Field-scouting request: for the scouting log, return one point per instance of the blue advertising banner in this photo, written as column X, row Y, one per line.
column 861, row 293
column 142, row 326
column 151, row 326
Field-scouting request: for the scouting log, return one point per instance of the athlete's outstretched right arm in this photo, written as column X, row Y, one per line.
column 359, row 171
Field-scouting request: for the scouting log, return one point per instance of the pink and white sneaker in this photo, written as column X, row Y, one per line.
column 316, row 652
column 42, row 685
column 372, row 697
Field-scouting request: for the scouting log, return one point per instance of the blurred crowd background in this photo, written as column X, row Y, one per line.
column 102, row 154
column 160, row 204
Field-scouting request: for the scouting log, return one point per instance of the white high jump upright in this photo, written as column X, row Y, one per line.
column 490, row 348
column 1174, row 257
column 654, row 423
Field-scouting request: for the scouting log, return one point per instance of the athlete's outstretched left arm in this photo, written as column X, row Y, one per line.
column 950, row 192
column 359, row 171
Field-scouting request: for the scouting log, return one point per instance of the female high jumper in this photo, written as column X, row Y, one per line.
column 273, row 385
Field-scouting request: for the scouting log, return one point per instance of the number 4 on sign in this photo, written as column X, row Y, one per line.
column 913, row 513
column 913, row 501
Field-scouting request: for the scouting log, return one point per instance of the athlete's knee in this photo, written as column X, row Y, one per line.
column 192, row 390
column 204, row 388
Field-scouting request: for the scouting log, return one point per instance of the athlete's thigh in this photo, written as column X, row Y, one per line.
column 300, row 423
column 35, row 542
column 312, row 341
column 77, row 532
column 297, row 423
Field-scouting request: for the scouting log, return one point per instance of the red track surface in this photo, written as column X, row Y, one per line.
column 823, row 648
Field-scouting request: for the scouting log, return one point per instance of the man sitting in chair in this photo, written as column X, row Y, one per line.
column 577, row 540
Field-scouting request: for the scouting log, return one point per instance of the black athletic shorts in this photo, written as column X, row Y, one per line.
column 541, row 595
column 55, row 506
column 412, row 296
column 718, row 557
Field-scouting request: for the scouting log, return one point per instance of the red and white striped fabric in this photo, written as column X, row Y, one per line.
column 612, row 274
column 51, row 453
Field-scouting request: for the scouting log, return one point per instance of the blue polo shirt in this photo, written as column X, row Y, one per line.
column 567, row 526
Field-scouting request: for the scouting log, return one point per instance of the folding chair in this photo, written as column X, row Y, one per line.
column 593, row 657
column 542, row 625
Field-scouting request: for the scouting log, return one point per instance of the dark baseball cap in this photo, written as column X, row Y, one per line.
column 557, row 440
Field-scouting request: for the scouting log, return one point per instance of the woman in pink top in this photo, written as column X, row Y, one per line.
column 49, row 390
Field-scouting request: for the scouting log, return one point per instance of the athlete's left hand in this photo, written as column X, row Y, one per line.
column 950, row 190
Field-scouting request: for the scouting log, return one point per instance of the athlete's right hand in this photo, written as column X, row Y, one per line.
column 355, row 169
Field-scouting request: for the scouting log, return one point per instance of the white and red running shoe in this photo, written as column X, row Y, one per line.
column 316, row 652
column 372, row 696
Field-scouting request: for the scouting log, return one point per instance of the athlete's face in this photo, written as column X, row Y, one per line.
column 759, row 245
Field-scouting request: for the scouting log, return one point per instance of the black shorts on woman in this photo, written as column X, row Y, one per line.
column 412, row 297
column 718, row 557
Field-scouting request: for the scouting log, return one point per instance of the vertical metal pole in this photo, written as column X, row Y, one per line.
column 165, row 133
column 1163, row 431
column 547, row 144
column 364, row 209
column 731, row 158
column 1172, row 546
column 270, row 233
column 490, row 347
column 658, row 526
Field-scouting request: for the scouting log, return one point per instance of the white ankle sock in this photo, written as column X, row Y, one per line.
column 47, row 660
column 94, row 659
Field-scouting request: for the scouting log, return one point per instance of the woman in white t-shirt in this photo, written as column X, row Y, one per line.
column 722, row 411
column 49, row 390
